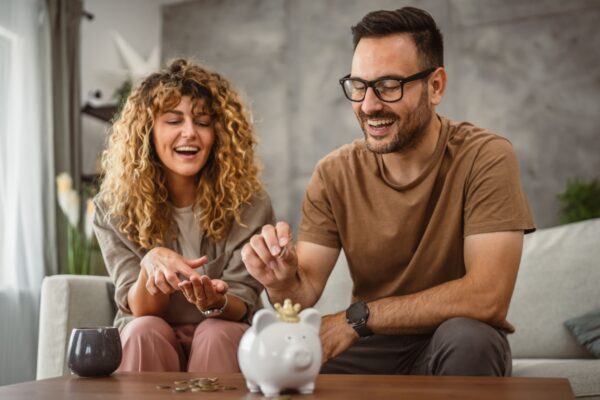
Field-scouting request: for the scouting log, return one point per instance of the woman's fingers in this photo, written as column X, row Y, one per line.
column 162, row 284
column 150, row 286
column 220, row 286
column 188, row 291
column 198, row 290
column 165, row 267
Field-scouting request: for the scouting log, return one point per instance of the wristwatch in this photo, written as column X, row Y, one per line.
column 357, row 316
column 213, row 312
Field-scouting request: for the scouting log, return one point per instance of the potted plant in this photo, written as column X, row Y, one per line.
column 580, row 201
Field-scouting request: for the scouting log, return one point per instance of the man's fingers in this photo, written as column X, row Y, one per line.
column 284, row 234
column 255, row 266
column 269, row 235
column 261, row 250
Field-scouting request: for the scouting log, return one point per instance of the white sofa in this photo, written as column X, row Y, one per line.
column 558, row 279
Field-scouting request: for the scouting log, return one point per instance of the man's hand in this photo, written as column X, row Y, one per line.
column 336, row 336
column 204, row 292
column 161, row 266
column 270, row 257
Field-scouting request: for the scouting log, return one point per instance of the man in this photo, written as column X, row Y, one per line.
column 430, row 213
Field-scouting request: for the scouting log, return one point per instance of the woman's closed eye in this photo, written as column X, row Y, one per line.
column 202, row 122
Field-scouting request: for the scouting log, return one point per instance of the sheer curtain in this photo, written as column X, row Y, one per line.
column 26, row 183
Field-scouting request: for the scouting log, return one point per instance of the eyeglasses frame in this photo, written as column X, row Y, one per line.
column 371, row 84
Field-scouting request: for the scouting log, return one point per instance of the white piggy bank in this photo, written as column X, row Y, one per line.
column 275, row 355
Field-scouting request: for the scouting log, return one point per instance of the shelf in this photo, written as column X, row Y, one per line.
column 104, row 113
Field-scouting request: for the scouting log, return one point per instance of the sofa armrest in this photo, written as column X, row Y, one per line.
column 67, row 302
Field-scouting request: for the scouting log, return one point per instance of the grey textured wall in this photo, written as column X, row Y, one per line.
column 528, row 70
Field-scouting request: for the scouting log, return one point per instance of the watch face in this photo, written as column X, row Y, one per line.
column 357, row 312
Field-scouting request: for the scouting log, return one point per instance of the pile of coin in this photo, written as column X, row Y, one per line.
column 196, row 385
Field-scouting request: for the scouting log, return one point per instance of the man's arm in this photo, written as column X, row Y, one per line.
column 491, row 261
column 287, row 271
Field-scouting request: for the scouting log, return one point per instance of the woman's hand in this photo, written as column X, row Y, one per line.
column 161, row 266
column 204, row 292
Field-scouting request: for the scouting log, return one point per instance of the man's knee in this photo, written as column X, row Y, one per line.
column 464, row 346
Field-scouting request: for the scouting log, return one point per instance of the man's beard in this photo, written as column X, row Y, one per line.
column 410, row 132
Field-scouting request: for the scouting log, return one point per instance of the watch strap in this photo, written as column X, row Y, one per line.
column 213, row 312
column 362, row 329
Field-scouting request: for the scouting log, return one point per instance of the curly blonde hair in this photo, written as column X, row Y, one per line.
column 133, row 188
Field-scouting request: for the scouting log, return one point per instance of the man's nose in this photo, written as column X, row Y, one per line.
column 371, row 103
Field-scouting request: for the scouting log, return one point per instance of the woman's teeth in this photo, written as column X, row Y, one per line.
column 187, row 149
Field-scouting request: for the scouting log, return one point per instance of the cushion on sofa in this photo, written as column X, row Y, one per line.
column 559, row 279
column 586, row 329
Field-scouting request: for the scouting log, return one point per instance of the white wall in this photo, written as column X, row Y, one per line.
column 139, row 23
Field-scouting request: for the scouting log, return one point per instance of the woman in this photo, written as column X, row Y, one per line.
column 179, row 198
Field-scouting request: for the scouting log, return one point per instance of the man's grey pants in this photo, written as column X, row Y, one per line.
column 459, row 346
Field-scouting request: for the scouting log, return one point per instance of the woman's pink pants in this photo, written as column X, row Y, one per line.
column 151, row 344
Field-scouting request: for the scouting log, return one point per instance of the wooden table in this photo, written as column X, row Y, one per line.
column 132, row 386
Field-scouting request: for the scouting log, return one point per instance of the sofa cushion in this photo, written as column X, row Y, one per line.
column 583, row 375
column 586, row 329
column 558, row 280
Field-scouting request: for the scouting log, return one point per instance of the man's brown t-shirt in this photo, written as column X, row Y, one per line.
column 403, row 239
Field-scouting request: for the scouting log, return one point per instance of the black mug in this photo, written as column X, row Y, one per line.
column 94, row 351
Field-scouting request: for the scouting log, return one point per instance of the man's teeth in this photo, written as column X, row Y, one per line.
column 379, row 122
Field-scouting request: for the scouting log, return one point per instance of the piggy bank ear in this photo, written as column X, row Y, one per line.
column 262, row 319
column 311, row 317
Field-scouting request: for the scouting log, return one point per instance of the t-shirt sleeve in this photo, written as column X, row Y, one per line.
column 241, row 284
column 122, row 262
column 318, row 223
column 495, row 200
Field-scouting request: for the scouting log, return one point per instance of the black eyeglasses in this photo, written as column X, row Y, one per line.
column 388, row 88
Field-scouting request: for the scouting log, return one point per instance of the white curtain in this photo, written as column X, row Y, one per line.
column 26, row 183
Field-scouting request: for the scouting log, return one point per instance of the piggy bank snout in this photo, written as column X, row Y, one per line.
column 299, row 357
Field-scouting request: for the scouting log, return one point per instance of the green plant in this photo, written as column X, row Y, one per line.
column 121, row 94
column 580, row 201
column 80, row 235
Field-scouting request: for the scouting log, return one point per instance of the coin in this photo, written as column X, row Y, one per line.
column 163, row 386
column 200, row 384
column 208, row 389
